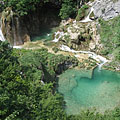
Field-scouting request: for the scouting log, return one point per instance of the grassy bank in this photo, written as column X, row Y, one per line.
column 110, row 39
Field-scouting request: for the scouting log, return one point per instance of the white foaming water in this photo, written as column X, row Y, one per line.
column 96, row 57
column 48, row 34
column 17, row 47
column 87, row 19
column 58, row 35
column 1, row 36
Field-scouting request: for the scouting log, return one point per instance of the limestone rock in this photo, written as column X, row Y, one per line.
column 26, row 38
column 77, row 35
column 106, row 9
column 92, row 45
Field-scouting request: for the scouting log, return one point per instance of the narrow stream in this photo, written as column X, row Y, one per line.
column 96, row 57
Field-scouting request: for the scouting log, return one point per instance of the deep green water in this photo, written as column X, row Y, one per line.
column 82, row 92
column 45, row 34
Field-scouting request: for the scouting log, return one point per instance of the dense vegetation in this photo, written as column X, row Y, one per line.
column 22, row 94
column 28, row 78
column 110, row 39
column 22, row 7
column 82, row 12
column 27, row 87
column 68, row 8
column 27, row 84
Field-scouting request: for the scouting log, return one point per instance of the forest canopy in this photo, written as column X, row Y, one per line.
column 68, row 8
column 24, row 97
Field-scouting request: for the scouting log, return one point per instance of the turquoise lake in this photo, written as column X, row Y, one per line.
column 84, row 90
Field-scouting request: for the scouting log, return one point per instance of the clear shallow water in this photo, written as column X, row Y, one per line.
column 82, row 92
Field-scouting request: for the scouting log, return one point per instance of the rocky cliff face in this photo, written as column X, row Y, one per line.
column 78, row 35
column 11, row 28
column 106, row 9
column 18, row 30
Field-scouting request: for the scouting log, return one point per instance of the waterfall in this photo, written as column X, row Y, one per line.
column 96, row 57
column 103, row 61
column 58, row 35
column 1, row 34
column 17, row 47
column 87, row 19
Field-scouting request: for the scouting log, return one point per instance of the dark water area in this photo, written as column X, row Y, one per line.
column 45, row 34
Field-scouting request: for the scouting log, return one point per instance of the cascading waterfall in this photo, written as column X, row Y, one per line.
column 96, row 57
column 87, row 19
column 1, row 34
column 58, row 35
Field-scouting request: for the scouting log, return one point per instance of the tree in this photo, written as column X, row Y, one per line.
column 68, row 9
column 22, row 98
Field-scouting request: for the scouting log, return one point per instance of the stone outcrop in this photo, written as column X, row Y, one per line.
column 106, row 9
column 77, row 35
column 18, row 30
column 65, row 65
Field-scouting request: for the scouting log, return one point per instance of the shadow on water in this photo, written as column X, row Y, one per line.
column 45, row 34
column 81, row 92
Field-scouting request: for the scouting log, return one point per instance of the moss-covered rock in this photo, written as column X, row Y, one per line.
column 82, row 12
column 92, row 16
column 77, row 36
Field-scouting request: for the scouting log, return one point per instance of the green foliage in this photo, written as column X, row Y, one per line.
column 116, row 53
column 55, row 49
column 22, row 7
column 23, row 96
column 68, row 9
column 110, row 37
column 81, row 12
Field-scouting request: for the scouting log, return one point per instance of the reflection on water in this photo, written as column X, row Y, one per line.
column 81, row 92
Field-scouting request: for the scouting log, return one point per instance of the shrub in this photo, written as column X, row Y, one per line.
column 55, row 49
column 81, row 12
column 68, row 9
